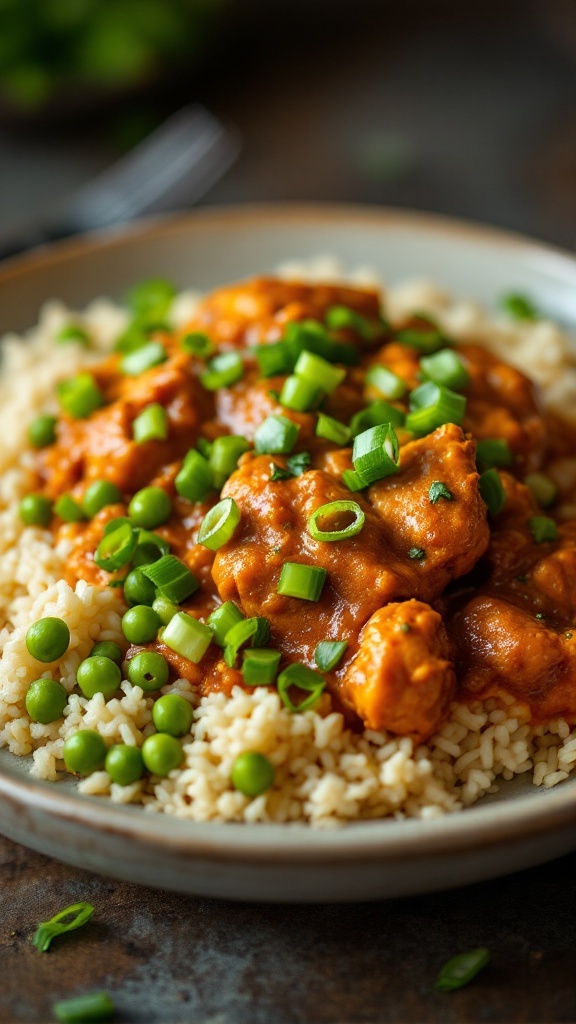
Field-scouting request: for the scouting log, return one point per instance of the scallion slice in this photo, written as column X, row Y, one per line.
column 255, row 629
column 223, row 371
column 331, row 515
column 117, row 545
column 295, row 466
column 260, row 666
column 197, row 343
column 96, row 1006
column 460, row 970
column 446, row 368
column 318, row 371
column 151, row 297
column 224, row 455
column 276, row 435
column 417, row 554
column 493, row 452
column 219, row 524
column 303, row 678
column 300, row 580
column 543, row 529
column 274, row 359
column 520, row 307
column 73, row 333
column 66, row 920
column 375, row 453
column 374, row 414
column 150, row 547
column 312, row 336
column 332, row 430
column 543, row 488
column 80, row 396
column 172, row 578
column 222, row 619
column 388, row 383
column 187, row 636
column 151, row 424
column 342, row 318
column 329, row 653
column 69, row 510
column 300, row 394
column 427, row 339
column 143, row 358
column 492, row 491
column 195, row 480
column 432, row 405
column 353, row 480
column 439, row 490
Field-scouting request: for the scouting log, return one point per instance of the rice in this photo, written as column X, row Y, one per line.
column 326, row 774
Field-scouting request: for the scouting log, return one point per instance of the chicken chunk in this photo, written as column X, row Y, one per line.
column 402, row 677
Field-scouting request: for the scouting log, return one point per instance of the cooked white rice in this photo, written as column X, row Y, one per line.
column 325, row 774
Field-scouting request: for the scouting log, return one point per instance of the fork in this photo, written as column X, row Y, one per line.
column 175, row 165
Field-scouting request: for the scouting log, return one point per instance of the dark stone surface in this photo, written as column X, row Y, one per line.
column 168, row 958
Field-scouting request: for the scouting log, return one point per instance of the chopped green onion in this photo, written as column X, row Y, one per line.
column 165, row 609
column 318, row 371
column 224, row 456
column 150, row 548
column 446, row 368
column 204, row 446
column 219, row 524
column 151, row 298
column 329, row 653
column 197, row 343
column 151, row 424
column 332, row 430
column 300, row 580
column 388, row 383
column 312, row 336
column 172, row 578
column 97, row 1007
column 195, row 480
column 187, row 636
column 303, row 678
column 42, row 431
column 418, row 554
column 332, row 514
column 260, row 666
column 492, row 491
column 542, row 487
column 72, row 333
column 542, row 529
column 117, row 545
column 69, row 510
column 277, row 435
column 432, row 405
column 274, row 359
column 439, row 490
column 80, row 396
column 65, row 921
column 494, row 451
column 520, row 307
column 427, row 339
column 135, row 336
column 353, row 480
column 374, row 414
column 295, row 466
column 342, row 318
column 299, row 394
column 223, row 371
column 375, row 453
column 460, row 970
column 255, row 629
column 143, row 358
column 222, row 619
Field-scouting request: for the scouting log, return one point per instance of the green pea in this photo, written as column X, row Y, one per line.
column 148, row 670
column 100, row 494
column 84, row 752
column 140, row 624
column 107, row 649
column 252, row 774
column 98, row 675
column 47, row 639
column 46, row 700
column 150, row 507
column 162, row 753
column 172, row 714
column 35, row 510
column 124, row 764
column 42, row 431
column 138, row 589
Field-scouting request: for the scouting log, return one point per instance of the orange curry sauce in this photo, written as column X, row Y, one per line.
column 487, row 609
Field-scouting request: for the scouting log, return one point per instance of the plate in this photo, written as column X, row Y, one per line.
column 520, row 826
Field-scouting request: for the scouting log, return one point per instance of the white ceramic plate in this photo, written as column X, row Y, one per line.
column 521, row 826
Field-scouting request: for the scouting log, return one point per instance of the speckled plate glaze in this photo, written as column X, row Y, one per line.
column 519, row 827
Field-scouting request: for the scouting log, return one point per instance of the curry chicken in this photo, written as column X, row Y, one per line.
column 404, row 474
